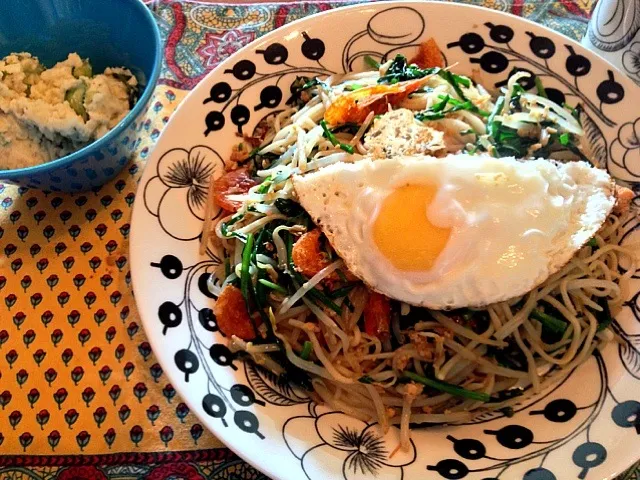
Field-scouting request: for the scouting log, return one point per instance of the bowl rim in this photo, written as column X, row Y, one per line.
column 121, row 126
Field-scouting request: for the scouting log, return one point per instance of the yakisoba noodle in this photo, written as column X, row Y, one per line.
column 473, row 360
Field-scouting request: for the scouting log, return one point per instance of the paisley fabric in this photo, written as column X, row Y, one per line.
column 81, row 394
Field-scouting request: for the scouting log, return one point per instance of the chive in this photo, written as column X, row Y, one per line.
column 470, row 131
column 256, row 245
column 346, row 148
column 347, row 303
column 564, row 139
column 264, row 186
column 448, row 388
column 432, row 114
column 540, row 88
column 227, row 266
column 318, row 295
column 365, row 379
column 466, row 105
column 440, row 105
column 342, row 292
column 464, row 81
column 552, row 323
column 604, row 317
column 454, row 80
column 342, row 276
column 371, row 62
column 271, row 285
column 353, row 87
column 306, row 350
column 566, row 106
column 254, row 152
column 225, row 225
column 332, row 138
column 327, row 133
column 592, row 242
column 245, row 278
column 517, row 90
column 246, row 286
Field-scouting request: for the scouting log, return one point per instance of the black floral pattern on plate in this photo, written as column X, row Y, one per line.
column 362, row 450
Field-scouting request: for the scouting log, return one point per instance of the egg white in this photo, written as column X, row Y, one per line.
column 513, row 223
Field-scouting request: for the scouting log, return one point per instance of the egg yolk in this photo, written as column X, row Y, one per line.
column 403, row 233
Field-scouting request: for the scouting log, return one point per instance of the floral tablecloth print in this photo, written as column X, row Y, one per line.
column 81, row 394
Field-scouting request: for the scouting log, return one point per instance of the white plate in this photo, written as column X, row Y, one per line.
column 585, row 428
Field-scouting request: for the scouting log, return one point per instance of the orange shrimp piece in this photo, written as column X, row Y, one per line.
column 624, row 197
column 429, row 55
column 307, row 255
column 377, row 315
column 234, row 182
column 232, row 315
column 354, row 107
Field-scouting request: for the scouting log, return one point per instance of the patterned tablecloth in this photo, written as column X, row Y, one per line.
column 81, row 394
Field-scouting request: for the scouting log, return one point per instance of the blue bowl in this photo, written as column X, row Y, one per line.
column 110, row 33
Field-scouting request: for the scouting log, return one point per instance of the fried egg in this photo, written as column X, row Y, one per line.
column 457, row 231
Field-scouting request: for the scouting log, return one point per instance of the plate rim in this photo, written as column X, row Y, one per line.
column 269, row 468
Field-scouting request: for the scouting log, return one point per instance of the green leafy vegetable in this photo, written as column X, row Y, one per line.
column 400, row 71
column 299, row 85
column 289, row 207
column 366, row 379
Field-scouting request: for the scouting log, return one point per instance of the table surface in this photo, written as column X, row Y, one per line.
column 81, row 394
